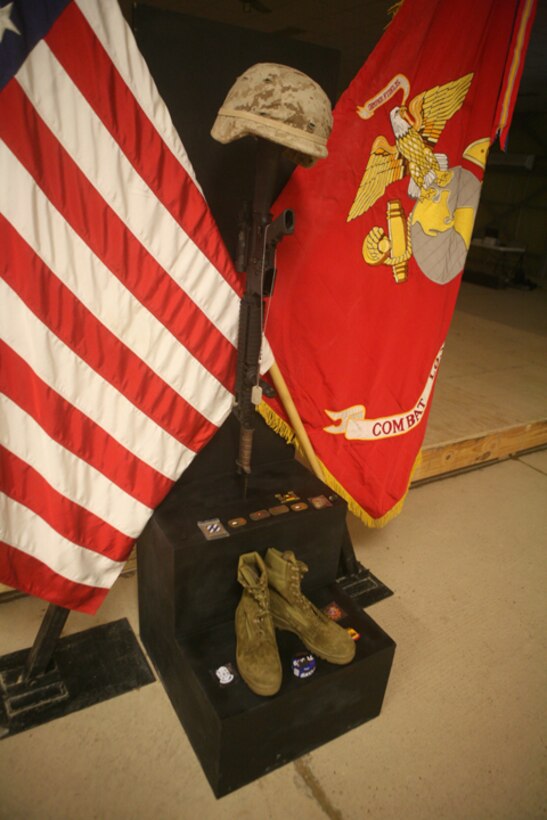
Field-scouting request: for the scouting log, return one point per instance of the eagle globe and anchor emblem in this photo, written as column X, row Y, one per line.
column 437, row 232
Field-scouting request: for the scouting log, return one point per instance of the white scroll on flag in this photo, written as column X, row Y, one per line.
column 118, row 301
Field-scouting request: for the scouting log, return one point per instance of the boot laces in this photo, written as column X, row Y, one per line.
column 260, row 595
column 298, row 570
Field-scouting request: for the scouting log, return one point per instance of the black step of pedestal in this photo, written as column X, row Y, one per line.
column 188, row 593
column 239, row 736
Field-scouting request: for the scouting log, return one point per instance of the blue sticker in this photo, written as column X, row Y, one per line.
column 303, row 665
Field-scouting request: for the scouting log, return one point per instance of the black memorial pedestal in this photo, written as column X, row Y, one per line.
column 188, row 593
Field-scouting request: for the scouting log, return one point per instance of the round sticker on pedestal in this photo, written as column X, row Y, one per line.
column 303, row 665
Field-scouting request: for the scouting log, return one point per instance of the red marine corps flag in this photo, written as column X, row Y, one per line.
column 367, row 285
column 118, row 302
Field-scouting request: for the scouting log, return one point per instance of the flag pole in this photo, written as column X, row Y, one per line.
column 295, row 420
column 45, row 643
column 356, row 581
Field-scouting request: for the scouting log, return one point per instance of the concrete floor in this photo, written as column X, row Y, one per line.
column 493, row 375
column 462, row 731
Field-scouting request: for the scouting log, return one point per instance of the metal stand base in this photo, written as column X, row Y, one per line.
column 363, row 587
column 356, row 581
column 83, row 669
column 21, row 697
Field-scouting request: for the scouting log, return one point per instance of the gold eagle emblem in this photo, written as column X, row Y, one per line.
column 416, row 127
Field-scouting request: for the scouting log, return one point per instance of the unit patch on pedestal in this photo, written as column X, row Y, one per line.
column 259, row 515
column 212, row 528
column 303, row 665
column 225, row 674
column 279, row 510
column 334, row 612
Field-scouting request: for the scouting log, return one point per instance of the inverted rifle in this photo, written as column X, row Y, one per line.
column 258, row 237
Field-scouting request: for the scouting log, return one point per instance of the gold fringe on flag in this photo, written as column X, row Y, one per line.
column 282, row 428
column 277, row 424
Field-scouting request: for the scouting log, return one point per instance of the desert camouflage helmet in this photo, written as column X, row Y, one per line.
column 282, row 105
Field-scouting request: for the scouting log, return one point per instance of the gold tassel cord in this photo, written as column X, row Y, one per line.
column 396, row 7
column 295, row 420
column 277, row 424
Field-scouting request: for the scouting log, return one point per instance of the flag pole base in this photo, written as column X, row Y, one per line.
column 60, row 676
column 355, row 580
column 363, row 587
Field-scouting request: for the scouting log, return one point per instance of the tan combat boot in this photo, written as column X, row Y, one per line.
column 257, row 655
column 294, row 612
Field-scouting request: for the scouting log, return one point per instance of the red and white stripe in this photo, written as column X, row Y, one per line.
column 118, row 309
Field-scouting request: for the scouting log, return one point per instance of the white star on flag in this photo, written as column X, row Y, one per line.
column 5, row 23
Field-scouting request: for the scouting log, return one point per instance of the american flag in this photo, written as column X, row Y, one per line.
column 118, row 301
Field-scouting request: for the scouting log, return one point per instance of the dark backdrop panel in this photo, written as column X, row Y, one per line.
column 194, row 63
